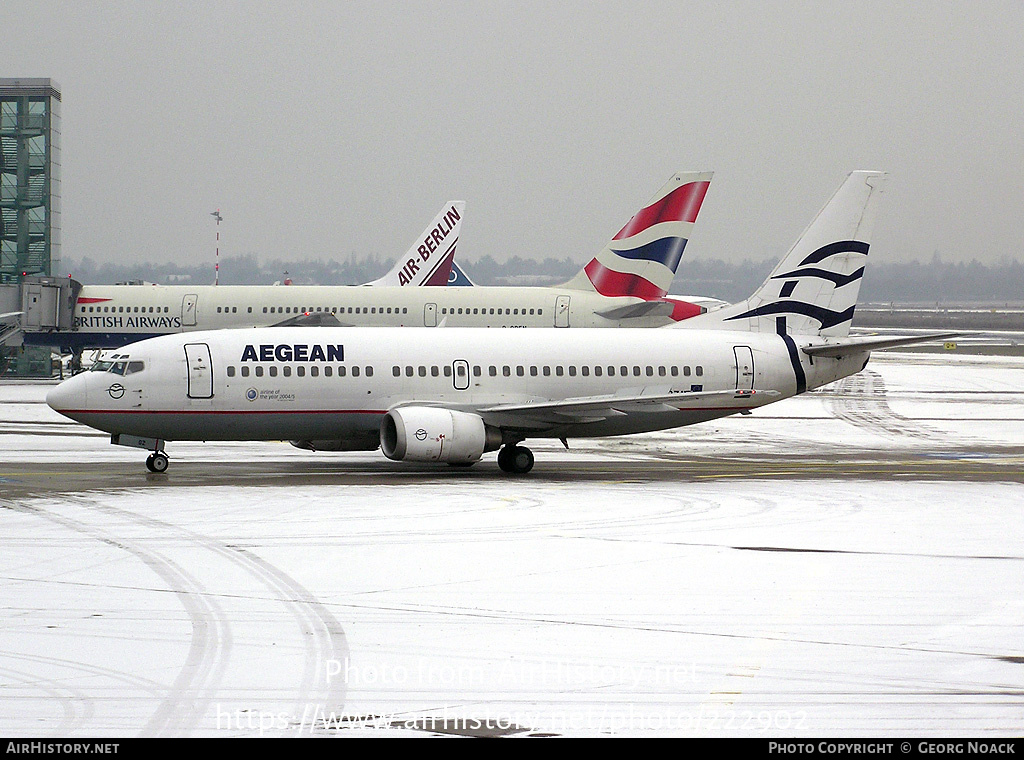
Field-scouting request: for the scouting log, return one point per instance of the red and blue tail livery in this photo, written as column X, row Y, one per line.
column 641, row 260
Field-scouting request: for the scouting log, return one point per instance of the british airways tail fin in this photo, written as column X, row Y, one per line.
column 641, row 259
column 814, row 289
column 429, row 260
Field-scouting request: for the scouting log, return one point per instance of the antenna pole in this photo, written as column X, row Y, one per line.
column 216, row 265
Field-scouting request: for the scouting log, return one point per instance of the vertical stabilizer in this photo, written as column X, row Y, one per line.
column 429, row 260
column 641, row 259
column 814, row 289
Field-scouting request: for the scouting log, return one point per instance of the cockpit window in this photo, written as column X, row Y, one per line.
column 134, row 367
column 101, row 366
column 118, row 368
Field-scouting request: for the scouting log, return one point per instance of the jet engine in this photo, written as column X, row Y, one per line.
column 434, row 434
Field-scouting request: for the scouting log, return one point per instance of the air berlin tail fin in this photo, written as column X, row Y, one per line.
column 429, row 260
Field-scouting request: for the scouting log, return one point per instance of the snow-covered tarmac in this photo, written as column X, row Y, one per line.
column 754, row 594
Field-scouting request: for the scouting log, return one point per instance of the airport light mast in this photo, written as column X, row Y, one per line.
column 216, row 265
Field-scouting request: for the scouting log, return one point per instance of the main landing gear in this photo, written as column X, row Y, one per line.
column 515, row 459
column 157, row 462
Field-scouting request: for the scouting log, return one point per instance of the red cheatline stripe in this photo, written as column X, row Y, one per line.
column 335, row 411
column 94, row 300
column 608, row 282
column 681, row 205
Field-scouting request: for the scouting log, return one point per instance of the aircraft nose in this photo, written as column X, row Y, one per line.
column 71, row 394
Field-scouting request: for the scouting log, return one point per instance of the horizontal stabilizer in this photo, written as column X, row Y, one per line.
column 638, row 310
column 857, row 345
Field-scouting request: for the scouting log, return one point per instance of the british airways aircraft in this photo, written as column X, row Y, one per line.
column 451, row 395
column 625, row 285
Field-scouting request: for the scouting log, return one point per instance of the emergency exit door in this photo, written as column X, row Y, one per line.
column 744, row 367
column 562, row 311
column 189, row 305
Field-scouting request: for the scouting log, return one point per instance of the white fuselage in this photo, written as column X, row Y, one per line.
column 108, row 316
column 337, row 383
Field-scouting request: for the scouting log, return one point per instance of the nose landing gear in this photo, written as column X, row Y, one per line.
column 157, row 462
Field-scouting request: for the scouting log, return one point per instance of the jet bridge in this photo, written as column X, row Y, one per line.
column 37, row 305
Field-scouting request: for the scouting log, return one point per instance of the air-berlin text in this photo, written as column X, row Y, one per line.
column 430, row 244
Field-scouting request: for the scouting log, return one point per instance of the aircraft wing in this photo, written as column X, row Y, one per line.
column 850, row 345
column 534, row 414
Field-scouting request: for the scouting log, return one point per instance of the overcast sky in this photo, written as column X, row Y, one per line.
column 333, row 129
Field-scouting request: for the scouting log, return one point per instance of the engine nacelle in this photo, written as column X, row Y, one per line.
column 435, row 434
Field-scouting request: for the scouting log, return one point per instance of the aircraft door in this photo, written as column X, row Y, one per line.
column 200, row 370
column 189, row 305
column 430, row 315
column 32, row 317
column 744, row 367
column 41, row 305
column 562, row 311
column 460, row 374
